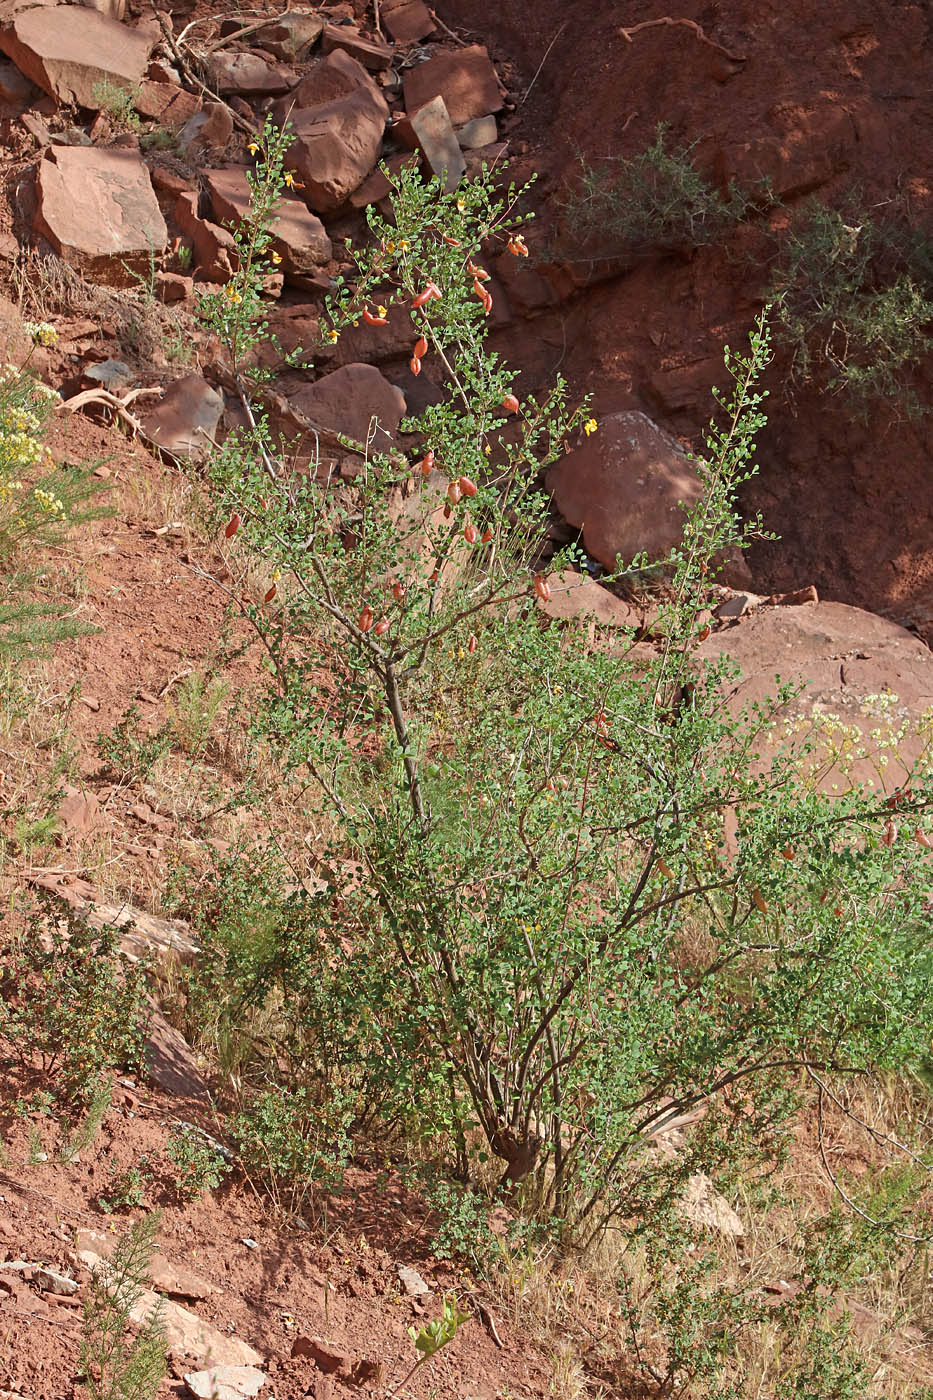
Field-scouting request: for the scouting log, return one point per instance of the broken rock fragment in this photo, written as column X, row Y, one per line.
column 186, row 419
column 433, row 133
column 68, row 50
column 97, row 208
column 465, row 78
column 407, row 20
column 369, row 52
column 248, row 75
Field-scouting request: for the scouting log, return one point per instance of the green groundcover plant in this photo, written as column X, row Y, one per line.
column 567, row 895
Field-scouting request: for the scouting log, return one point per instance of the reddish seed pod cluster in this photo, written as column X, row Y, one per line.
column 467, row 486
column 470, row 532
column 381, row 627
column 269, row 595
column 426, row 464
column 374, row 320
column 517, row 246
column 487, row 535
column 889, row 835
column 366, row 619
column 431, row 293
column 510, row 403
column 233, row 524
column 454, row 493
column 542, row 587
column 399, row 590
column 471, row 645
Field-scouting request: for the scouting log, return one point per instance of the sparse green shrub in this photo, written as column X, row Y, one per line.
column 853, row 300
column 115, row 1365
column 462, row 1229
column 118, row 103
column 199, row 1167
column 126, row 1189
column 70, row 1002
column 130, row 752
column 548, row 947
column 89, row 1125
column 656, row 200
column 194, row 708
column 290, row 1144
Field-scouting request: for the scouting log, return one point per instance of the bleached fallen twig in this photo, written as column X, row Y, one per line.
column 698, row 30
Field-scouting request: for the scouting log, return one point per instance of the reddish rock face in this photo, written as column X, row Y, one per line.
column 465, row 78
column 623, row 487
column 68, row 50
column 98, row 209
column 300, row 238
column 336, row 147
column 356, row 401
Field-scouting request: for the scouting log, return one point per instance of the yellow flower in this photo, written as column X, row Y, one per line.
column 332, row 335
column 289, row 179
column 590, row 426
column 461, row 205
column 382, row 311
column 276, row 258
column 488, row 450
column 404, row 244
column 253, row 148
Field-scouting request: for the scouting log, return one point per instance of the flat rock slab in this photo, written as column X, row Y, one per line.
column 225, row 1382
column 99, row 211
column 186, row 419
column 434, row 134
column 624, row 487
column 369, row 52
column 407, row 20
column 575, row 597
column 248, row 75
column 465, row 78
column 187, row 1335
column 164, row 1276
column 356, row 401
column 299, row 237
column 68, row 49
column 170, row 1061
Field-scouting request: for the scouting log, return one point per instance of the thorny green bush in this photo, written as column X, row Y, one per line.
column 853, row 299
column 530, row 938
column 654, row 201
column 71, row 1004
column 549, row 941
column 292, row 1143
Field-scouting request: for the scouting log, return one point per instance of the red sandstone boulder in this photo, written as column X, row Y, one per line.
column 369, row 52
column 325, row 81
column 300, row 238
column 336, row 147
column 624, row 487
column 99, row 211
column 68, row 50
